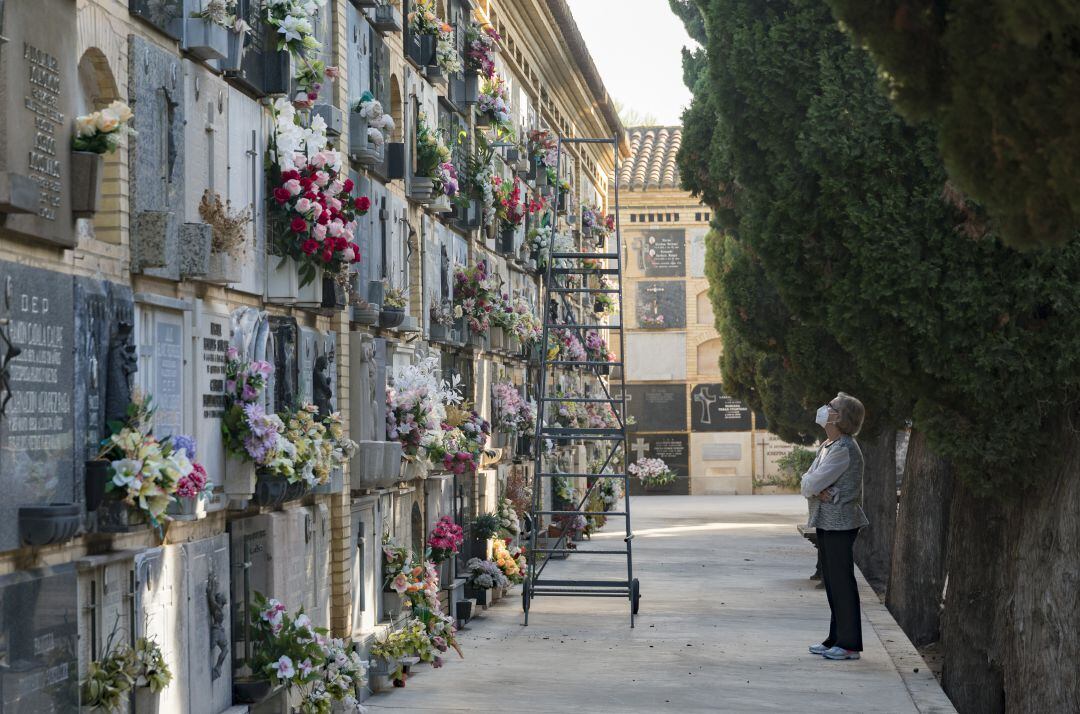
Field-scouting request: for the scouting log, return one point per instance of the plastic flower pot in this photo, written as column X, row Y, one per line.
column 472, row 88
column 497, row 338
column 422, row 189
column 376, row 291
column 387, row 19
column 513, row 345
column 427, row 50
column 115, row 516
column 360, row 146
column 282, row 279
column 296, row 490
column 414, row 471
column 235, row 57
column 366, row 466
column 334, row 484
column 187, row 508
column 271, row 490
column 52, row 523
column 483, row 596
column 441, row 205
column 365, row 315
column 87, row 168
column 239, row 477
column 391, row 316
column 97, row 476
column 392, row 605
column 205, row 40
column 438, row 333
column 247, row 690
column 333, row 293
column 391, row 465
column 224, row 269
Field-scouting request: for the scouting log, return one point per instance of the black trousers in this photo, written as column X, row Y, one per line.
column 838, row 572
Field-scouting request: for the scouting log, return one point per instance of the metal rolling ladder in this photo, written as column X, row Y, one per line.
column 557, row 292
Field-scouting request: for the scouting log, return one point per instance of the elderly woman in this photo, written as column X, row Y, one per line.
column 833, row 486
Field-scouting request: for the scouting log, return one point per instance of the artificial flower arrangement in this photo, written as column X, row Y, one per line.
column 502, row 312
column 485, row 575
column 474, row 294
column 590, row 219
column 601, row 416
column 604, row 304
column 423, row 20
column 652, row 472
column 510, row 559
column 122, row 669
column 445, row 539
column 509, row 523
column 247, row 431
column 477, row 179
column 446, row 177
column 431, row 152
column 564, row 345
column 417, row 638
column 441, row 313
column 394, row 298
column 569, row 415
column 596, row 347
column 145, row 471
column 461, row 448
column 312, row 198
column 292, row 18
column 481, row 45
column 511, row 206
column 563, row 491
column 446, row 55
column 494, row 103
column 519, row 490
column 544, row 149
column 319, row 445
column 417, row 402
column 195, row 484
column 512, row 413
column 223, row 13
column 291, row 652
column 229, row 227
column 378, row 121
column 486, row 526
column 527, row 325
column 654, row 320
column 100, row 132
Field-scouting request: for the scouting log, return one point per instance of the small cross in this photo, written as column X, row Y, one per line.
column 655, row 289
column 640, row 447
column 706, row 399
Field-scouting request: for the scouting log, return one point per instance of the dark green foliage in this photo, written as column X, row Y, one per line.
column 1000, row 80
column 849, row 263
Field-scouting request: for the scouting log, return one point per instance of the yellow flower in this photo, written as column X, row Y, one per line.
column 106, row 121
column 121, row 111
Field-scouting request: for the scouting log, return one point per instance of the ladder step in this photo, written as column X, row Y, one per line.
column 579, row 552
column 580, row 513
column 587, row 363
column 580, row 432
column 553, row 475
column 584, row 271
column 595, row 256
column 581, row 593
column 583, row 583
column 553, row 325
column 585, row 290
column 591, row 400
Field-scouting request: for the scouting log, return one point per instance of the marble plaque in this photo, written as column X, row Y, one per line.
column 211, row 346
column 206, row 624
column 206, row 137
column 286, row 336
column 168, row 373
column 164, row 15
column 363, row 392
column 156, row 158
column 37, row 430
column 247, row 184
column 159, row 594
column 661, row 304
column 310, row 341
column 697, row 256
column 39, row 639
column 38, row 89
column 365, row 549
column 711, row 410
column 657, row 407
column 664, row 253
column 721, row 452
column 674, row 450
column 380, row 388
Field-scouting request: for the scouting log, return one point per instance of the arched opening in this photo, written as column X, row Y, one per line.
column 708, row 357
column 397, row 110
column 705, row 314
column 417, row 530
column 97, row 89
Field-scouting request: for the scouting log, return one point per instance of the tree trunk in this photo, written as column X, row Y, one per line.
column 917, row 576
column 873, row 548
column 972, row 622
column 1042, row 571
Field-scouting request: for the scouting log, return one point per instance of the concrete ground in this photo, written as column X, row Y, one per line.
column 727, row 613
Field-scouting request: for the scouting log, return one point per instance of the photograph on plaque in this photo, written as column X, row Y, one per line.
column 663, row 253
column 673, row 450
column 661, row 304
column 657, row 407
column 711, row 410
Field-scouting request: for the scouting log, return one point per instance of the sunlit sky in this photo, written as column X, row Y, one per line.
column 637, row 46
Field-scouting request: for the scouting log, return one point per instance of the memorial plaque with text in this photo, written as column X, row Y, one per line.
column 169, row 374
column 664, row 254
column 211, row 346
column 657, row 407
column 37, row 430
column 38, row 86
column 673, row 450
column 661, row 304
column 711, row 410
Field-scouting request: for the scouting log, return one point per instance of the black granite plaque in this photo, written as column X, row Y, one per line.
column 664, row 253
column 657, row 407
column 711, row 410
column 38, row 88
column 674, row 450
column 286, row 336
column 661, row 304
column 165, row 15
column 39, row 636
column 37, row 430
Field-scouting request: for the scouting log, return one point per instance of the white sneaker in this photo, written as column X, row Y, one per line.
column 818, row 649
column 840, row 653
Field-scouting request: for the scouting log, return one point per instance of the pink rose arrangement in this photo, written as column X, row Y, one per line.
column 445, row 539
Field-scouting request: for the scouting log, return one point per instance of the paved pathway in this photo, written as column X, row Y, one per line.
column 726, row 615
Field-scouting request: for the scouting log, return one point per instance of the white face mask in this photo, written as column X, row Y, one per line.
column 822, row 416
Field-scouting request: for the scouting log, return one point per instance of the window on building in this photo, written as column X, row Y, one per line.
column 697, row 216
column 676, row 217
column 667, row 217
column 633, row 218
column 652, row 218
column 707, row 217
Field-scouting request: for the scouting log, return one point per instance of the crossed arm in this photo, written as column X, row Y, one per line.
column 818, row 480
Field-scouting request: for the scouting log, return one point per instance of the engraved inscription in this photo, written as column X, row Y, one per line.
column 42, row 101
column 38, row 412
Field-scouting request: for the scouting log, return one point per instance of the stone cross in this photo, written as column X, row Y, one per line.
column 706, row 399
column 640, row 447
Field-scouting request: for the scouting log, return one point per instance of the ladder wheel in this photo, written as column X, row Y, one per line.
column 635, row 595
column 525, row 595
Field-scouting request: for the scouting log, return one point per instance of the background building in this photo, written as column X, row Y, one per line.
column 673, row 349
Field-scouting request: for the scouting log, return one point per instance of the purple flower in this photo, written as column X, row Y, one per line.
column 185, row 442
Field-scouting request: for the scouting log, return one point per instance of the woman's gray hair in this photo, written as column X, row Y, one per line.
column 850, row 413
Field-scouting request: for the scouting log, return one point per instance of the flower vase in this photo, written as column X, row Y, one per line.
column 476, row 340
column 187, row 508
column 438, row 333
column 249, row 690
column 506, row 241
column 386, row 19
column 391, row 465
column 239, row 478
column 392, row 605
column 235, row 58
column 115, row 516
column 282, row 279
column 53, row 523
column 513, row 345
column 147, row 702
column 87, row 169
column 98, row 475
column 367, row 466
column 472, row 88
column 270, row 490
column 498, row 338
column 311, row 295
column 421, row 189
column 204, row 39
column 390, row 317
column 224, row 269
column 365, row 314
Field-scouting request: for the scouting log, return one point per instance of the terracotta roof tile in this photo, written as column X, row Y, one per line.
column 651, row 165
